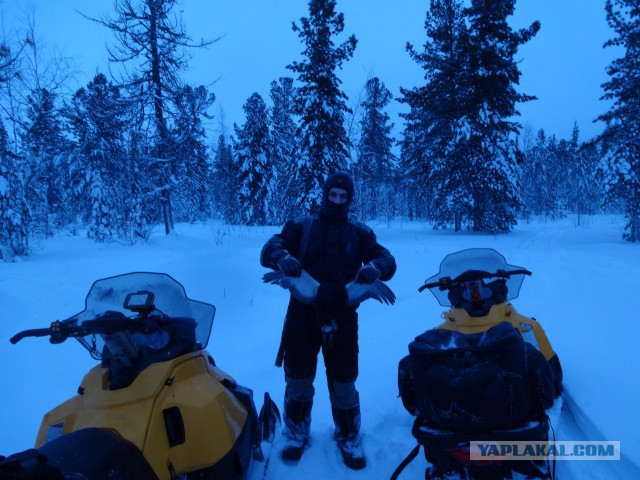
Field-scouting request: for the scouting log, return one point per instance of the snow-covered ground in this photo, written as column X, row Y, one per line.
column 584, row 291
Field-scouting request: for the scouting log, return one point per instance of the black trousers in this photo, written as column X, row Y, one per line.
column 304, row 338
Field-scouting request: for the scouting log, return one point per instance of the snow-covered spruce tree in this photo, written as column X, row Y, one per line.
column 44, row 146
column 14, row 212
column 375, row 169
column 545, row 178
column 561, row 158
column 32, row 78
column 465, row 148
column 622, row 134
column 582, row 190
column 98, row 170
column 253, row 151
column 108, row 164
column 152, row 41
column 224, row 182
column 416, row 199
column 10, row 72
column 433, row 155
column 283, row 140
column 191, row 168
column 145, row 209
column 590, row 156
column 321, row 104
column 27, row 65
column 491, row 107
column 535, row 180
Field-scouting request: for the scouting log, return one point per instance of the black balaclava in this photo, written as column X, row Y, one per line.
column 329, row 210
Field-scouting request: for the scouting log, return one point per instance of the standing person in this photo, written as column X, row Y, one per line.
column 334, row 251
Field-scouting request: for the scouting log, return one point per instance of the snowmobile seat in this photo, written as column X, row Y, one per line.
column 90, row 453
column 472, row 382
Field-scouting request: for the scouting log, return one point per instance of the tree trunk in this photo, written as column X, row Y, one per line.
column 161, row 127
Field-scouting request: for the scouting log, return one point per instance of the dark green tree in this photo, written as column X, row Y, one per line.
column 225, row 182
column 544, row 178
column 376, row 163
column 99, row 175
column 323, row 146
column 14, row 211
column 153, row 44
column 283, row 143
column 622, row 134
column 465, row 153
column 255, row 168
column 45, row 147
column 191, row 167
column 492, row 146
column 583, row 191
column 433, row 155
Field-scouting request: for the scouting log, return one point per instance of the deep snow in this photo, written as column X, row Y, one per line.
column 583, row 291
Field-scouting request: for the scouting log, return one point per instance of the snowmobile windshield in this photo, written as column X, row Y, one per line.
column 109, row 295
column 480, row 266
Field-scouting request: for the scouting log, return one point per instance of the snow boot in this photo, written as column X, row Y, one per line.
column 352, row 453
column 347, row 436
column 293, row 450
column 297, row 423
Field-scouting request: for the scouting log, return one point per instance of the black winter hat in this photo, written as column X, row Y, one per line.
column 339, row 180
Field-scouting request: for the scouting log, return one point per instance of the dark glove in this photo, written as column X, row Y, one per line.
column 368, row 274
column 331, row 295
column 290, row 266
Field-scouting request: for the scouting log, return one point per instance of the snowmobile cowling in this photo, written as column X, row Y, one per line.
column 156, row 407
column 178, row 413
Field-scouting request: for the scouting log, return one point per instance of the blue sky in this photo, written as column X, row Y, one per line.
column 564, row 65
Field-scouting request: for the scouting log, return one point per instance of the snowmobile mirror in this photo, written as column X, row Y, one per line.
column 140, row 302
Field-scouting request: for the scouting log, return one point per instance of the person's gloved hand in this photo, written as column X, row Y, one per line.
column 368, row 274
column 331, row 295
column 290, row 266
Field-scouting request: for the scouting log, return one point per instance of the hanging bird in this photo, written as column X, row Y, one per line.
column 305, row 288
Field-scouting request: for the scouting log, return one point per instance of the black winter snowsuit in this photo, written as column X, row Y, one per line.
column 334, row 252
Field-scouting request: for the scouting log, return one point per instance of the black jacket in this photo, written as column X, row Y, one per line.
column 334, row 251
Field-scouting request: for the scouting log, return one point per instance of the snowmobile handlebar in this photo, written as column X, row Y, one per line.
column 447, row 283
column 36, row 332
column 60, row 331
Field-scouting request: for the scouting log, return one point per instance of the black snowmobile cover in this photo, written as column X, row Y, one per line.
column 475, row 382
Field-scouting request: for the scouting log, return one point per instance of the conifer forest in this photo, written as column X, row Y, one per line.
column 131, row 150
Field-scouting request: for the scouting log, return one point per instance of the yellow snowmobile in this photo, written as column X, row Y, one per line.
column 157, row 406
